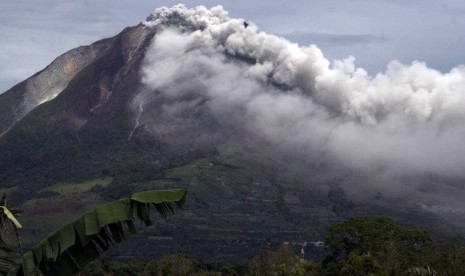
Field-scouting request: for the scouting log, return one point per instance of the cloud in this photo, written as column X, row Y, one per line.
column 407, row 121
column 305, row 38
column 409, row 118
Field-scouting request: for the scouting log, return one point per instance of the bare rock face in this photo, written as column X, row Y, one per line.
column 46, row 84
column 106, row 85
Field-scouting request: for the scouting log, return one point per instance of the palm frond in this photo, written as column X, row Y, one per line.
column 11, row 217
column 74, row 245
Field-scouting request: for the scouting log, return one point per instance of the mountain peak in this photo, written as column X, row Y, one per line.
column 181, row 16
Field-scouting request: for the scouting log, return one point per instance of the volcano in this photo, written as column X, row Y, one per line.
column 273, row 143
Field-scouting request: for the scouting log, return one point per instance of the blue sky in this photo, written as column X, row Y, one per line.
column 375, row 32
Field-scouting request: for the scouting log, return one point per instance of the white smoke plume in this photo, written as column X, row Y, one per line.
column 408, row 120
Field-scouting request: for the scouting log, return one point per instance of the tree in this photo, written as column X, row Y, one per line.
column 74, row 245
column 362, row 265
column 176, row 265
column 448, row 259
column 281, row 262
column 395, row 248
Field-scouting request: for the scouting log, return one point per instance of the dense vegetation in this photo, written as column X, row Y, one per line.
column 358, row 246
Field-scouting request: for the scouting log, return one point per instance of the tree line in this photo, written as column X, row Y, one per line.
column 357, row 247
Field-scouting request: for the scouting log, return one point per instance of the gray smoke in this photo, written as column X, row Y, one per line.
column 409, row 120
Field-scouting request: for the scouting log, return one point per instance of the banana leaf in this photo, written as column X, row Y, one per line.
column 69, row 249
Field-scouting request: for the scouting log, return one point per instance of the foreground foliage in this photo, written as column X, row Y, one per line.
column 356, row 247
column 70, row 248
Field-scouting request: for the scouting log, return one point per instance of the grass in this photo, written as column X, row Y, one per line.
column 8, row 190
column 43, row 216
column 67, row 189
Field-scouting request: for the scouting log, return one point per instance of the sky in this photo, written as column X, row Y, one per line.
column 375, row 32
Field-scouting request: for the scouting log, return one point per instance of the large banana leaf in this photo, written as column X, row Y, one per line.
column 9, row 255
column 70, row 248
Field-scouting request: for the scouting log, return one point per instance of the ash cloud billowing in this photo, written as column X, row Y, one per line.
column 408, row 120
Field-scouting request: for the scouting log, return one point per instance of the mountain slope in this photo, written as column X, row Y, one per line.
column 86, row 124
column 257, row 130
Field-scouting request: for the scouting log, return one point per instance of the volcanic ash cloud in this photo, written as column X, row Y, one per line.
column 408, row 120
